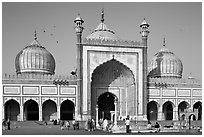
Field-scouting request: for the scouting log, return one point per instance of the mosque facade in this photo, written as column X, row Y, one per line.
column 112, row 77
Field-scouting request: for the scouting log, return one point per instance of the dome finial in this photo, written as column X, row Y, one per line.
column 35, row 35
column 164, row 42
column 102, row 15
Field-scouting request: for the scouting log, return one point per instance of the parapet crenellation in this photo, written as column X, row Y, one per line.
column 177, row 81
column 35, row 76
column 104, row 42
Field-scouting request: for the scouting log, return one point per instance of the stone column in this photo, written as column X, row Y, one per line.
column 175, row 113
column 3, row 114
column 115, row 126
column 115, row 118
column 126, row 102
column 97, row 125
column 58, row 111
column 21, row 113
column 160, row 114
column 40, row 112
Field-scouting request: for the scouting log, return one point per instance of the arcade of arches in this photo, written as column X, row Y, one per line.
column 168, row 111
column 32, row 111
column 111, row 80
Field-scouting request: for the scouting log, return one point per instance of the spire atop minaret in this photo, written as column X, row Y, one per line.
column 164, row 42
column 102, row 15
column 35, row 35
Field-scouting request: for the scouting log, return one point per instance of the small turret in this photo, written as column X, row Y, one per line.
column 79, row 28
column 144, row 28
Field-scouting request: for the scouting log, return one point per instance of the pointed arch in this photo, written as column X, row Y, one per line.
column 116, row 66
column 12, row 110
column 181, row 108
column 106, row 105
column 167, row 110
column 67, row 109
column 197, row 107
column 49, row 110
column 152, row 110
column 31, row 110
column 114, row 77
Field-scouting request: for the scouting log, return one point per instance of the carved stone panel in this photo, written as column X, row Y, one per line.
column 30, row 90
column 184, row 92
column 197, row 93
column 49, row 90
column 169, row 92
column 67, row 90
column 14, row 90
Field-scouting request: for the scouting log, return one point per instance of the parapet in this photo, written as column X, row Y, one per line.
column 119, row 43
column 33, row 76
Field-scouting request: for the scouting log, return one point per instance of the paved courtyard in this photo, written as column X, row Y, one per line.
column 55, row 130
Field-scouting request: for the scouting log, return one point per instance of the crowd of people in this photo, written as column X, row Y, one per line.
column 156, row 126
column 65, row 125
column 90, row 125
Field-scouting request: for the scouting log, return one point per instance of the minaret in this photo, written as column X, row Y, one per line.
column 79, row 29
column 144, row 32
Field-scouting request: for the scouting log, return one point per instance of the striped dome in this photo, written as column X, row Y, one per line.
column 102, row 32
column 165, row 64
column 35, row 59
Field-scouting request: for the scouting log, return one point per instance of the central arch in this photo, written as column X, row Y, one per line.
column 113, row 78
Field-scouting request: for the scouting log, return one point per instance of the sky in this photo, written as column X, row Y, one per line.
column 179, row 22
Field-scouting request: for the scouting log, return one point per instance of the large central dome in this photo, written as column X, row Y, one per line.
column 35, row 59
column 165, row 64
column 102, row 32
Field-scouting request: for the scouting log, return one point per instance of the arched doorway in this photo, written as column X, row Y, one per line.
column 198, row 106
column 116, row 78
column 182, row 107
column 31, row 110
column 49, row 110
column 152, row 111
column 106, row 105
column 168, row 110
column 67, row 110
column 12, row 110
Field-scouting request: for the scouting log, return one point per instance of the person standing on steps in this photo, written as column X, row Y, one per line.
column 127, row 123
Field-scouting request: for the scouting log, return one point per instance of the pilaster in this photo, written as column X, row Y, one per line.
column 21, row 113
column 160, row 114
column 3, row 113
column 58, row 111
column 40, row 112
column 175, row 113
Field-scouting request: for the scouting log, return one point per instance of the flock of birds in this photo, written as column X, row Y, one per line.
column 50, row 33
